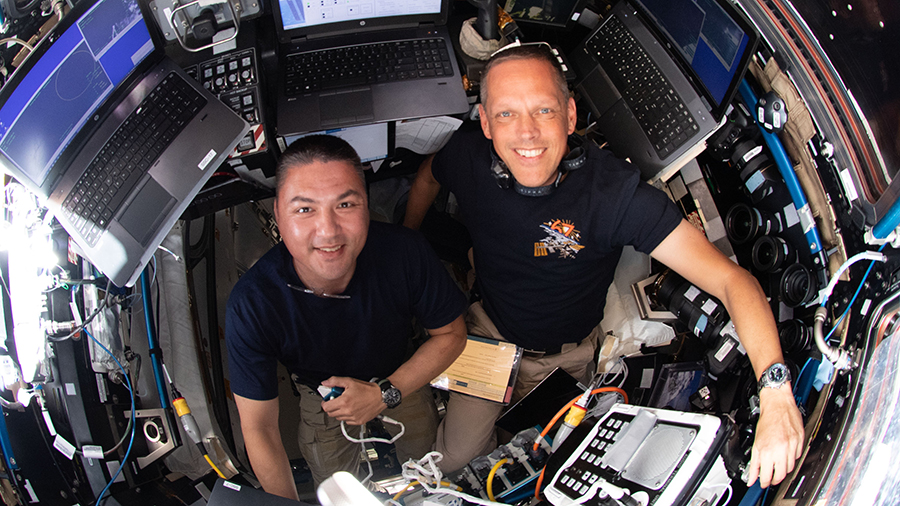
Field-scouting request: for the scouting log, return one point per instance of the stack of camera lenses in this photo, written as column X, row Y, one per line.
column 797, row 286
column 771, row 253
column 704, row 314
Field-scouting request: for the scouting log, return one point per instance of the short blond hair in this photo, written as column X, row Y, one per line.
column 539, row 52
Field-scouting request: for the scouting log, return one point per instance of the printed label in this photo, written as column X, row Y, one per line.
column 750, row 154
column 849, row 187
column 64, row 447
column 691, row 293
column 92, row 452
column 709, row 306
column 726, row 348
column 755, row 181
column 206, row 159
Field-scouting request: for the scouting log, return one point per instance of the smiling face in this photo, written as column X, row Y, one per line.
column 527, row 118
column 323, row 216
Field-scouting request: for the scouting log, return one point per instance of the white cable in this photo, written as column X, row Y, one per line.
column 167, row 250
column 416, row 471
column 76, row 314
column 865, row 255
column 363, row 440
column 362, row 432
column 728, row 488
column 610, row 377
column 625, row 372
column 374, row 439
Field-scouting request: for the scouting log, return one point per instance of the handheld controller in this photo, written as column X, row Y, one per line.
column 329, row 393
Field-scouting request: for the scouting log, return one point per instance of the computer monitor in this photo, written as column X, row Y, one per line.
column 371, row 142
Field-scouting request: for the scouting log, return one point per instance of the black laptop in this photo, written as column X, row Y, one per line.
column 659, row 75
column 113, row 136
column 229, row 493
column 352, row 63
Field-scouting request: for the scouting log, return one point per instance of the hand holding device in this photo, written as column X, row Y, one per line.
column 359, row 401
column 329, row 393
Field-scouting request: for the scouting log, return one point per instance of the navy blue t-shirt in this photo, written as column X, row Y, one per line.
column 397, row 277
column 544, row 264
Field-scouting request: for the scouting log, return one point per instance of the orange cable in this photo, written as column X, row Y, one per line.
column 565, row 408
column 537, row 489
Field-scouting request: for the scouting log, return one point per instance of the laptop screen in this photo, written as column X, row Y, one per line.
column 715, row 42
column 68, row 83
column 304, row 13
column 298, row 19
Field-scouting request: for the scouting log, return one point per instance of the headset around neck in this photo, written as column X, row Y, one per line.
column 572, row 161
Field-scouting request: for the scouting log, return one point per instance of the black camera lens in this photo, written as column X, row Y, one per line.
column 760, row 182
column 744, row 152
column 795, row 336
column 797, row 285
column 744, row 223
column 772, row 253
column 703, row 314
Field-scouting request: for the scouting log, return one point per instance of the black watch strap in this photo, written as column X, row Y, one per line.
column 389, row 393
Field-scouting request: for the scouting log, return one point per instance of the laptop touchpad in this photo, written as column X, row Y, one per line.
column 343, row 107
column 600, row 90
column 145, row 213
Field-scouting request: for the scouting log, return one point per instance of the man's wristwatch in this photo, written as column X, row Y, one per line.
column 776, row 375
column 389, row 393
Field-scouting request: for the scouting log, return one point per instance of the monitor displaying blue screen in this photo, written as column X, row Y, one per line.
column 706, row 36
column 69, row 83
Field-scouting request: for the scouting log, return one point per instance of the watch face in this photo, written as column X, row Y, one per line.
column 777, row 374
column 391, row 397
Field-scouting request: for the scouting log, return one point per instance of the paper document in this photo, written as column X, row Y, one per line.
column 425, row 136
column 487, row 368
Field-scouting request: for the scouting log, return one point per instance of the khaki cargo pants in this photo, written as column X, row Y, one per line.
column 327, row 451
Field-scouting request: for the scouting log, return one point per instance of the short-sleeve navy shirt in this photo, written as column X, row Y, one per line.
column 397, row 277
column 544, row 264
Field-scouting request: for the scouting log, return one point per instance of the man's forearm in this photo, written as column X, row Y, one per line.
column 270, row 463
column 421, row 195
column 779, row 432
column 746, row 304
column 362, row 401
column 432, row 358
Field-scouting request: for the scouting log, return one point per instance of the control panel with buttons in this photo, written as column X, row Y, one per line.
column 234, row 78
column 647, row 455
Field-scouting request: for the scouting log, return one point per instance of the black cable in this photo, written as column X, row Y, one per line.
column 103, row 304
column 80, row 327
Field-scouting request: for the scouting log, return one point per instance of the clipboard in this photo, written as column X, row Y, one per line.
column 486, row 369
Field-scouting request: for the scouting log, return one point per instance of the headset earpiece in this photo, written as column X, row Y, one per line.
column 574, row 160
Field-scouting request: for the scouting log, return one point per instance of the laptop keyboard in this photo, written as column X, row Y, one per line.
column 659, row 110
column 129, row 153
column 366, row 64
